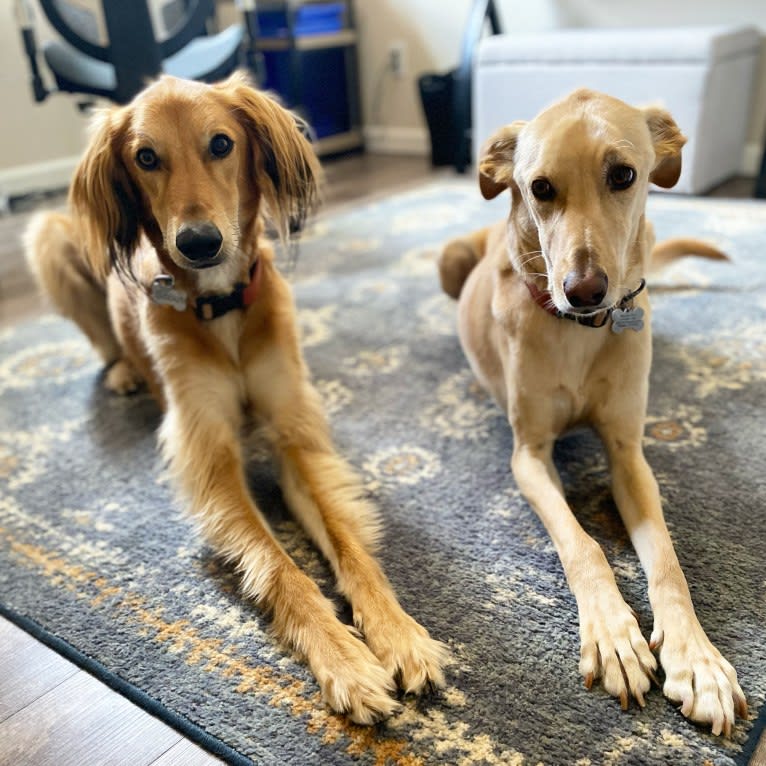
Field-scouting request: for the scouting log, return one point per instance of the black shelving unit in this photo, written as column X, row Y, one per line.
column 314, row 71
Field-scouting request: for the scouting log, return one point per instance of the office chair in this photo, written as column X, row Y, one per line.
column 133, row 55
column 481, row 12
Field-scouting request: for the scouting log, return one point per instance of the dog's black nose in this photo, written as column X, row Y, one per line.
column 199, row 241
column 585, row 289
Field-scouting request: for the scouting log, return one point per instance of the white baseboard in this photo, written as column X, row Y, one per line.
column 37, row 177
column 751, row 159
column 382, row 139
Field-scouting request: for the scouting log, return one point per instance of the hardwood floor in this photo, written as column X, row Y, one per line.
column 51, row 712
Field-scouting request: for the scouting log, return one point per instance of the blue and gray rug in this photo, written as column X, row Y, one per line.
column 94, row 553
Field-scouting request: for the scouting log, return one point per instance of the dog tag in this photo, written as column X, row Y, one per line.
column 627, row 319
column 164, row 292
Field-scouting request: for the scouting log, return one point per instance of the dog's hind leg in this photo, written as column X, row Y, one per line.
column 458, row 259
column 57, row 262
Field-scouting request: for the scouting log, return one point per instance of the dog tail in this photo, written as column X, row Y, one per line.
column 670, row 249
column 458, row 258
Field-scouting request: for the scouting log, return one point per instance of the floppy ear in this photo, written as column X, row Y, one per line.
column 104, row 197
column 286, row 168
column 496, row 163
column 668, row 142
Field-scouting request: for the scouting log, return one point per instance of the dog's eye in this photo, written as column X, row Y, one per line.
column 147, row 159
column 220, row 145
column 543, row 190
column 621, row 177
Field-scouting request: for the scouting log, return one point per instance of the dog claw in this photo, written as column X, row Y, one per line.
column 741, row 706
column 589, row 680
column 624, row 700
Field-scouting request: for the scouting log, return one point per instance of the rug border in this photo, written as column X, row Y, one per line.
column 753, row 739
column 197, row 734
column 147, row 703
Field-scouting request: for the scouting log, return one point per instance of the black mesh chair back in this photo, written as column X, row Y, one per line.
column 114, row 54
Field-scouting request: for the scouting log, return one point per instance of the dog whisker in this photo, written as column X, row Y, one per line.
column 530, row 259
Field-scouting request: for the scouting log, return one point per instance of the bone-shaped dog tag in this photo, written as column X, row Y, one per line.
column 164, row 292
column 627, row 319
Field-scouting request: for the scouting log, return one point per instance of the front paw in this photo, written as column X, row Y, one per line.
column 614, row 650
column 352, row 680
column 697, row 676
column 407, row 652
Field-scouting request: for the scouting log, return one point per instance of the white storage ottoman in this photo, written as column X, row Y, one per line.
column 703, row 75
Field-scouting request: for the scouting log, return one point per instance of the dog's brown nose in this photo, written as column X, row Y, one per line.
column 199, row 241
column 585, row 289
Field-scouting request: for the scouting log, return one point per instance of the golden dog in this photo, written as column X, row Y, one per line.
column 554, row 320
column 164, row 266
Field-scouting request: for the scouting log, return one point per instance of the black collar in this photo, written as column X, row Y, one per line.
column 543, row 299
column 214, row 306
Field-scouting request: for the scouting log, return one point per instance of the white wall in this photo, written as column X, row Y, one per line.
column 39, row 144
column 432, row 29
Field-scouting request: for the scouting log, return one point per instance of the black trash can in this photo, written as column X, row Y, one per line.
column 437, row 96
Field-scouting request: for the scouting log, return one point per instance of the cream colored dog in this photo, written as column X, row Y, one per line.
column 555, row 323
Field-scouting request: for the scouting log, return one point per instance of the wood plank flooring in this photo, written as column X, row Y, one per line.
column 54, row 714
column 51, row 712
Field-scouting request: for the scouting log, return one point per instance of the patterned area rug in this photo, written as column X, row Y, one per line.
column 93, row 551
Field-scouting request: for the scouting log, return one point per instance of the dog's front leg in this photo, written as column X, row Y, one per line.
column 326, row 496
column 696, row 674
column 611, row 645
column 200, row 439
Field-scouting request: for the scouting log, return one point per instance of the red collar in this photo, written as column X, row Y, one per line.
column 542, row 298
column 250, row 293
column 214, row 306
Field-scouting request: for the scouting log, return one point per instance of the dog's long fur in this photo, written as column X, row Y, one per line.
column 97, row 264
column 577, row 231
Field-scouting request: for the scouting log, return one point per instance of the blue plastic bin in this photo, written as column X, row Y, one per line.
column 325, row 91
column 312, row 19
